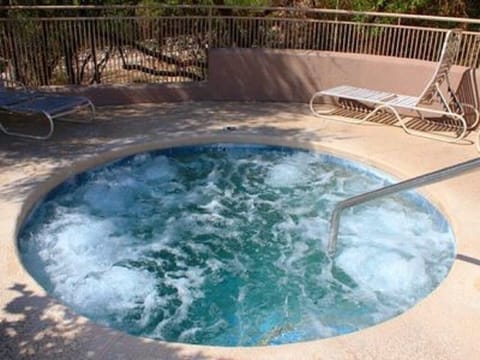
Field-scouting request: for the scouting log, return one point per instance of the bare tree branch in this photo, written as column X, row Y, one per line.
column 144, row 69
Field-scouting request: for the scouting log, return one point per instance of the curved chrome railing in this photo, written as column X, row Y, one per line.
column 422, row 180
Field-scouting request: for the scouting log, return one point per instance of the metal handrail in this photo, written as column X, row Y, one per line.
column 422, row 180
column 171, row 46
column 342, row 12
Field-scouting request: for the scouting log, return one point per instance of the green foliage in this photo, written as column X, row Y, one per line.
column 462, row 8
column 75, row 47
column 258, row 3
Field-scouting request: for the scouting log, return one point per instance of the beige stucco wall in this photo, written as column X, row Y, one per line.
column 282, row 75
column 293, row 75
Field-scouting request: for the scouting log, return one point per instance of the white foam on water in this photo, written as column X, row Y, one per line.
column 73, row 234
column 141, row 158
column 188, row 286
column 188, row 334
column 382, row 250
column 108, row 198
column 308, row 228
column 395, row 228
column 214, row 264
column 284, row 175
column 159, row 169
column 318, row 326
column 314, row 228
column 360, row 184
column 293, row 170
column 214, row 207
column 288, row 261
column 384, row 271
column 389, row 257
column 112, row 291
column 79, row 254
column 237, row 266
column 151, row 304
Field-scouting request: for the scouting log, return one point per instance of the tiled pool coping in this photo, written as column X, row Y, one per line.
column 445, row 325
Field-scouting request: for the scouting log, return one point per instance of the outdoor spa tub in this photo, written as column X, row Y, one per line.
column 225, row 244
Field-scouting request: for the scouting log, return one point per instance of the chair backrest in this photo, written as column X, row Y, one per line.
column 447, row 59
column 12, row 95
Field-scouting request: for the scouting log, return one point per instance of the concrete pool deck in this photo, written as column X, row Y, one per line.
column 445, row 325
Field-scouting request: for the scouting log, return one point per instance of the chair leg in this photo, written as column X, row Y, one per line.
column 28, row 136
column 424, row 134
column 91, row 118
column 92, row 109
column 477, row 115
column 313, row 110
column 451, row 139
column 427, row 135
column 325, row 115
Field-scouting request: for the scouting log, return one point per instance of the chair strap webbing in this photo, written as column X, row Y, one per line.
column 447, row 60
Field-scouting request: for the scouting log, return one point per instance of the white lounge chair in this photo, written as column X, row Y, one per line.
column 25, row 103
column 433, row 100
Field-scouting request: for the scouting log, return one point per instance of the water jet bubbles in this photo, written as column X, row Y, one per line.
column 226, row 245
column 290, row 171
column 159, row 169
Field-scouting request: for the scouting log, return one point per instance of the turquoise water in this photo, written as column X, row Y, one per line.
column 226, row 245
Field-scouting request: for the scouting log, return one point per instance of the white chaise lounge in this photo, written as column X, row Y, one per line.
column 437, row 99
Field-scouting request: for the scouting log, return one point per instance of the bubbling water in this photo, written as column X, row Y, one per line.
column 225, row 245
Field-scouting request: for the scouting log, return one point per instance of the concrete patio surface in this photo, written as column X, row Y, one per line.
column 33, row 325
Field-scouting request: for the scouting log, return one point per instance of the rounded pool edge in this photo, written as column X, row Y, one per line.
column 116, row 342
column 424, row 207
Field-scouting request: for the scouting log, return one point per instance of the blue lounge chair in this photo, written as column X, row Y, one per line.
column 25, row 103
